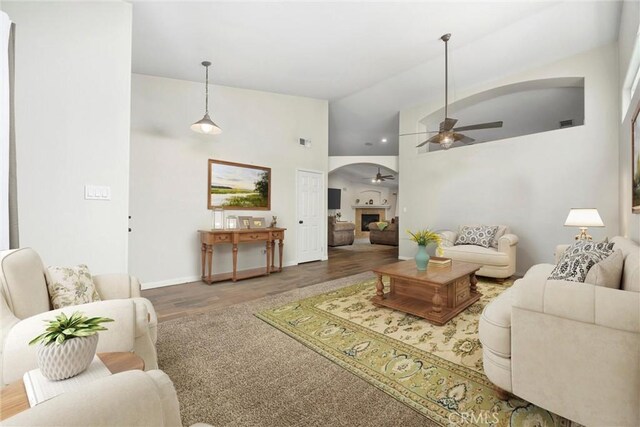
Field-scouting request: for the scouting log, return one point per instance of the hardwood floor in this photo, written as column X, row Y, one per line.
column 177, row 301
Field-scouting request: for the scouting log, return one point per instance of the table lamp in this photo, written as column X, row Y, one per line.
column 583, row 218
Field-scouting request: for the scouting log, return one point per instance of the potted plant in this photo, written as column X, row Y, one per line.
column 423, row 238
column 68, row 345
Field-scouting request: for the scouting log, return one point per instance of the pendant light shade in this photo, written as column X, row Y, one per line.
column 206, row 125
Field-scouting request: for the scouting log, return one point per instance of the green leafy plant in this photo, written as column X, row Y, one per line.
column 424, row 237
column 65, row 328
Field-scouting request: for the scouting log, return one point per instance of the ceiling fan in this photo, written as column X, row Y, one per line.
column 446, row 135
column 381, row 178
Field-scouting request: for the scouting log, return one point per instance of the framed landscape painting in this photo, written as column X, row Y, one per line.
column 635, row 162
column 236, row 186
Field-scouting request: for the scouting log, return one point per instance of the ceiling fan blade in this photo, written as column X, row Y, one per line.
column 434, row 138
column 489, row 125
column 419, row 133
column 447, row 124
column 387, row 176
column 466, row 140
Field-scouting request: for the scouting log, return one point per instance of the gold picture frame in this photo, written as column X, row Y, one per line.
column 238, row 186
column 257, row 222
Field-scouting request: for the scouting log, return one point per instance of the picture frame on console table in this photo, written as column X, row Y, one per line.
column 635, row 162
column 244, row 222
column 238, row 186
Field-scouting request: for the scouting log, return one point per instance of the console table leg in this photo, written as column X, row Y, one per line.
column 437, row 302
column 235, row 261
column 379, row 286
column 210, row 251
column 280, row 246
column 268, row 258
column 273, row 254
column 203, row 253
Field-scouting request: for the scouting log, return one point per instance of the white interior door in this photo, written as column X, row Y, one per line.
column 310, row 199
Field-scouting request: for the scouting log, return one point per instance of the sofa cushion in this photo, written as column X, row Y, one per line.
column 631, row 270
column 495, row 325
column 71, row 286
column 579, row 258
column 607, row 272
column 476, row 254
column 481, row 235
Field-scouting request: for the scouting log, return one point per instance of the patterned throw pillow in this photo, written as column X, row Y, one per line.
column 382, row 225
column 578, row 259
column 71, row 286
column 479, row 235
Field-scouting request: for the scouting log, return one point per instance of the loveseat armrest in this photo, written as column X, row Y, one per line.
column 448, row 238
column 130, row 321
column 506, row 241
column 560, row 250
column 582, row 302
column 117, row 286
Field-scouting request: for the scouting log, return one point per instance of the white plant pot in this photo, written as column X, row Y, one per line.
column 62, row 361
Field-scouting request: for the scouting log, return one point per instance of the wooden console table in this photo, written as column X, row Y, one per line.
column 210, row 238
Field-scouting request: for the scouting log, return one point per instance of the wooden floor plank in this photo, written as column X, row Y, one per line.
column 173, row 302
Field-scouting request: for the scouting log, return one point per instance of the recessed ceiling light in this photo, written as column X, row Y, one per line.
column 384, row 140
column 368, row 144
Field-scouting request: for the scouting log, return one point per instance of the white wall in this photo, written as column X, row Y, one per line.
column 352, row 190
column 529, row 182
column 628, row 60
column 169, row 169
column 72, row 101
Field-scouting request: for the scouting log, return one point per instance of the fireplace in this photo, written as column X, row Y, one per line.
column 367, row 219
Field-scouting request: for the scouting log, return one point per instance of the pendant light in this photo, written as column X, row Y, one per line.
column 206, row 125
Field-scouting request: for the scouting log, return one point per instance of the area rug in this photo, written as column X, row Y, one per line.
column 435, row 370
column 230, row 368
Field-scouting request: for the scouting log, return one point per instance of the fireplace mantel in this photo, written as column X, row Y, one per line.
column 371, row 206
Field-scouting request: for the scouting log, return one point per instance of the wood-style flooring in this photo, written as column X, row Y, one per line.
column 177, row 301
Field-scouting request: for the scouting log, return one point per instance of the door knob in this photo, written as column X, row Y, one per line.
column 300, row 222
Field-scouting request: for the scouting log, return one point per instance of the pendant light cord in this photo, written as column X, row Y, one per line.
column 446, row 78
column 206, row 90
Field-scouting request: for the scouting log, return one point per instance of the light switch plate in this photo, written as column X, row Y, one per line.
column 97, row 192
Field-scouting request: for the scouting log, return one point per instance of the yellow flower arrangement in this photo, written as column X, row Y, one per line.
column 424, row 237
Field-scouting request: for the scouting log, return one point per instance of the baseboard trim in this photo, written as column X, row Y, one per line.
column 170, row 282
column 404, row 258
column 188, row 279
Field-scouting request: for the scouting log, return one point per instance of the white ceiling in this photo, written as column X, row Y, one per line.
column 364, row 172
column 369, row 59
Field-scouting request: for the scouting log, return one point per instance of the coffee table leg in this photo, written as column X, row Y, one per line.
column 474, row 281
column 437, row 301
column 379, row 286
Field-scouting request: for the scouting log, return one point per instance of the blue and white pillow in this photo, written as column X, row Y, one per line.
column 578, row 259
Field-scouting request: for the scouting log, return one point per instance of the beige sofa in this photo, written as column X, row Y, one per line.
column 571, row 348
column 340, row 232
column 499, row 263
column 24, row 304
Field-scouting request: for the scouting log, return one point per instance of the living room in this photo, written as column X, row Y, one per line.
column 469, row 144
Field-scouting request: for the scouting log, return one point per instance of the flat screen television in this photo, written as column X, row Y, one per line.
column 334, row 198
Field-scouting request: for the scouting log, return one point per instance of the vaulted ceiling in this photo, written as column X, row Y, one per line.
column 370, row 60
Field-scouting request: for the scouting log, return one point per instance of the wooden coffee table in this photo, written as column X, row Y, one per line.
column 13, row 398
column 437, row 294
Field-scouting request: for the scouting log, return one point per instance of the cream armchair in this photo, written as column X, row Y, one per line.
column 24, row 304
column 571, row 348
column 131, row 398
column 499, row 263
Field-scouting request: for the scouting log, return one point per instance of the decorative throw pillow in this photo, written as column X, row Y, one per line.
column 479, row 235
column 607, row 272
column 71, row 286
column 578, row 259
column 383, row 225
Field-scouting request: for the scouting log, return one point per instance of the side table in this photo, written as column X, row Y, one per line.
column 13, row 398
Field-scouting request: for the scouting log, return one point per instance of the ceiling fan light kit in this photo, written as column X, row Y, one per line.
column 205, row 124
column 447, row 135
column 381, row 178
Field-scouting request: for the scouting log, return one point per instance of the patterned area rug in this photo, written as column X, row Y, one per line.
column 436, row 370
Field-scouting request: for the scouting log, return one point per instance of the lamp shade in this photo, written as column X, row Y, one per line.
column 584, row 217
column 206, row 125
